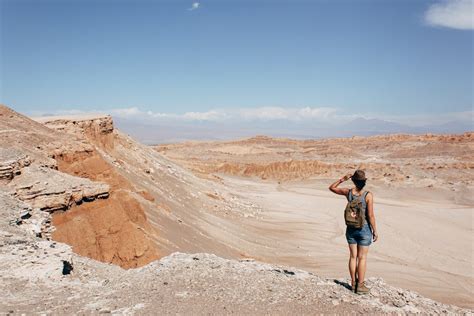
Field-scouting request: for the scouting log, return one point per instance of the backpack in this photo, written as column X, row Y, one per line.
column 354, row 213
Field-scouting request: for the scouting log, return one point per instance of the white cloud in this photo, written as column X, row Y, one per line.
column 137, row 113
column 267, row 113
column 320, row 113
column 457, row 14
column 292, row 114
column 324, row 115
column 194, row 6
column 203, row 116
column 134, row 112
column 157, row 114
column 126, row 112
column 71, row 112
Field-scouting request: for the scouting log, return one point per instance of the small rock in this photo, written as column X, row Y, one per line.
column 25, row 214
column 399, row 303
column 67, row 267
column 288, row 272
column 104, row 311
column 335, row 302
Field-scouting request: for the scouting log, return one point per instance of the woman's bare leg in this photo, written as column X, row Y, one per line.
column 353, row 262
column 361, row 262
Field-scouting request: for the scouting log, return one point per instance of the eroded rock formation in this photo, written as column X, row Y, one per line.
column 11, row 163
column 284, row 170
column 51, row 190
column 411, row 160
column 96, row 128
column 64, row 173
column 113, row 230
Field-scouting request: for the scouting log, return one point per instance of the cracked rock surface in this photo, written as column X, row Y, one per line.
column 11, row 162
column 50, row 190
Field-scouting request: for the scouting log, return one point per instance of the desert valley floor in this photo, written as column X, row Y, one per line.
column 424, row 208
column 424, row 245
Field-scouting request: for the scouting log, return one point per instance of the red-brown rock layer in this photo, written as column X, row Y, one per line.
column 113, row 230
column 61, row 169
column 116, row 230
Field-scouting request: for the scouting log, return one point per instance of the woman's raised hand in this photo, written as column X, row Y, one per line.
column 347, row 177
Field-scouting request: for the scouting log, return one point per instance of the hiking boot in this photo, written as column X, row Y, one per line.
column 353, row 286
column 362, row 289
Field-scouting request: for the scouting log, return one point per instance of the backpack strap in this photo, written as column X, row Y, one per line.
column 349, row 195
column 365, row 196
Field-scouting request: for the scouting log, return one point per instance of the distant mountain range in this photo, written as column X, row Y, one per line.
column 155, row 132
column 377, row 126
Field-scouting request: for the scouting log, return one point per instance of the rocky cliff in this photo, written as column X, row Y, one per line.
column 98, row 129
column 33, row 159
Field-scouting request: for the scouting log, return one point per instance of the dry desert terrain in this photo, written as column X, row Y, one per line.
column 423, row 188
column 94, row 222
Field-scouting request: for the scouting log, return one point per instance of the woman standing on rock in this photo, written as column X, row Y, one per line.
column 359, row 235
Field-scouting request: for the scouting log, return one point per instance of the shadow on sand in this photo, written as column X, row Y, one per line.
column 344, row 284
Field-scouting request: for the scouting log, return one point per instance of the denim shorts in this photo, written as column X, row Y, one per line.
column 361, row 237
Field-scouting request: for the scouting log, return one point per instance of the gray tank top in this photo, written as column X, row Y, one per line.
column 362, row 197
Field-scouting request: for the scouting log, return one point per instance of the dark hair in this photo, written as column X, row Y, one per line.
column 360, row 184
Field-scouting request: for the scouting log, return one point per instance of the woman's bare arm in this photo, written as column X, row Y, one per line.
column 341, row 191
column 370, row 211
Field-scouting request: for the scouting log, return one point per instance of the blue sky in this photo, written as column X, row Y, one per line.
column 175, row 58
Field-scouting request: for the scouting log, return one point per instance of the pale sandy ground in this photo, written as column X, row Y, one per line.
column 426, row 241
